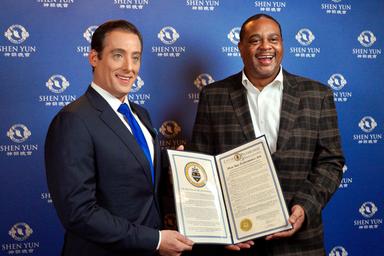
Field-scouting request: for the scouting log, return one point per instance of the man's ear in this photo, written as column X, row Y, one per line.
column 93, row 57
column 240, row 46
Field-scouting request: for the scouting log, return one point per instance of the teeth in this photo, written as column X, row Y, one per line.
column 123, row 77
column 265, row 57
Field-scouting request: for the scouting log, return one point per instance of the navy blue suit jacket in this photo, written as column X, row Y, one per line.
column 100, row 180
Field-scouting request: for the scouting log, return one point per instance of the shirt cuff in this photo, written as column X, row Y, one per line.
column 158, row 245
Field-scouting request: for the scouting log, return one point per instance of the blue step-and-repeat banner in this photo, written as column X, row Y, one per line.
column 187, row 45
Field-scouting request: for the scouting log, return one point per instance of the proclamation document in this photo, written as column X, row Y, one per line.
column 228, row 198
column 254, row 200
column 200, row 209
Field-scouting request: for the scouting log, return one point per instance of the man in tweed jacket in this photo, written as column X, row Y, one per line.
column 299, row 119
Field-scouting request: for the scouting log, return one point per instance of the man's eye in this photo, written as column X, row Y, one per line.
column 255, row 41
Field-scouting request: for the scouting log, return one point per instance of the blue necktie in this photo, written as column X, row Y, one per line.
column 138, row 133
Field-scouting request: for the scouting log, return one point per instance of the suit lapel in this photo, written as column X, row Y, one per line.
column 109, row 117
column 289, row 108
column 238, row 95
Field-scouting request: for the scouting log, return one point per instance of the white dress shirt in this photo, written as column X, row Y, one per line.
column 265, row 107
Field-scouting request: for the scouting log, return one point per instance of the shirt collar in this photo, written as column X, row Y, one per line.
column 277, row 82
column 112, row 100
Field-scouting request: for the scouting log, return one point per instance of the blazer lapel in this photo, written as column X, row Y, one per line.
column 289, row 108
column 238, row 95
column 110, row 118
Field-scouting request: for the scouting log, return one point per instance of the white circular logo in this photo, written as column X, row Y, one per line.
column 336, row 1
column 18, row 133
column 368, row 209
column 367, row 124
column 16, row 34
column 366, row 38
column 57, row 83
column 203, row 80
column 338, row 251
column 89, row 32
column 234, row 35
column 337, row 81
column 345, row 168
column 20, row 231
column 305, row 36
column 136, row 86
column 170, row 129
column 168, row 35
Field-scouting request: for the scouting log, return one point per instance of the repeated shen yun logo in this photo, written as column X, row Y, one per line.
column 371, row 221
column 131, row 4
column 203, row 80
column 200, row 82
column 87, row 35
column 135, row 95
column 203, row 5
column 368, row 125
column 336, row 7
column 17, row 35
column 21, row 234
column 234, row 37
column 56, row 3
column 270, row 6
column 171, row 138
column 346, row 180
column 18, row 133
column 305, row 37
column 367, row 39
column 338, row 251
column 337, row 82
column 57, row 83
column 168, row 35
column 20, row 231
column 170, row 129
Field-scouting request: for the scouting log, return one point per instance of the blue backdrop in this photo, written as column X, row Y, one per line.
column 187, row 45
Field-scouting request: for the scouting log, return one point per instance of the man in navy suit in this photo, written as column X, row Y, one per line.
column 104, row 187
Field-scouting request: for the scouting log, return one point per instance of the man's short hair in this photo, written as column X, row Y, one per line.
column 256, row 17
column 98, row 36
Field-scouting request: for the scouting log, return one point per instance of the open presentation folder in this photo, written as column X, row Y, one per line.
column 228, row 198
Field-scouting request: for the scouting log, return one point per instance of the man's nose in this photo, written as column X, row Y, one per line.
column 265, row 44
column 128, row 64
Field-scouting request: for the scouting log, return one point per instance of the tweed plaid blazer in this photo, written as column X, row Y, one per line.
column 308, row 158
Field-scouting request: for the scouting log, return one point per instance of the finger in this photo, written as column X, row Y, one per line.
column 180, row 147
column 251, row 242
column 297, row 214
column 232, row 247
column 184, row 239
column 243, row 245
column 180, row 246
